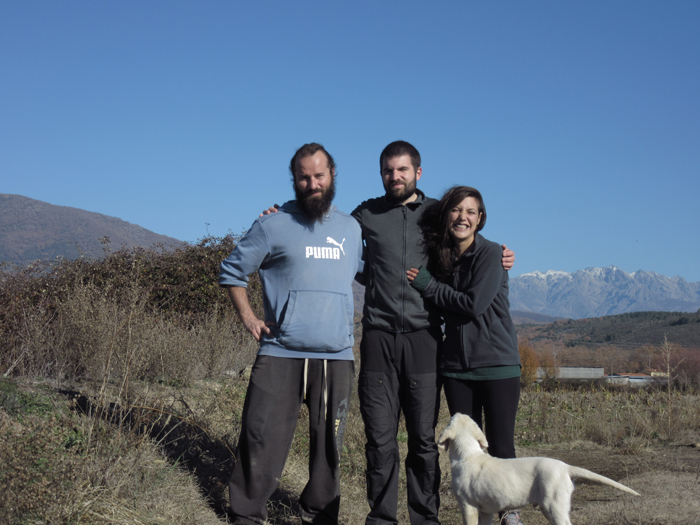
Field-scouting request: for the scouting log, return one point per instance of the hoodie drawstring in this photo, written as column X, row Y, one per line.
column 324, row 408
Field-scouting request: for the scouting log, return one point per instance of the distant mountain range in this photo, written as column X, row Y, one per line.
column 544, row 297
column 32, row 229
column 596, row 292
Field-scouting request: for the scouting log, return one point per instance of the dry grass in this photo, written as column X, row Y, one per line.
column 626, row 419
column 59, row 466
column 669, row 497
column 163, row 454
column 91, row 336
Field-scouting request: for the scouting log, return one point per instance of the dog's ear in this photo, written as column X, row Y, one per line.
column 481, row 439
column 447, row 435
column 476, row 432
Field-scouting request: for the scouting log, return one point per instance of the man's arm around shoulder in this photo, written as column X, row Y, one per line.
column 508, row 258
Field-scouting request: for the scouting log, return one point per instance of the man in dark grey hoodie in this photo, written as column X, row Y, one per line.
column 307, row 256
column 400, row 345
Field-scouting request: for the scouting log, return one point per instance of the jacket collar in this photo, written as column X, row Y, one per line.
column 478, row 241
column 420, row 199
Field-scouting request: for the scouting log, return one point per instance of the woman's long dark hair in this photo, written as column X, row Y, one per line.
column 437, row 241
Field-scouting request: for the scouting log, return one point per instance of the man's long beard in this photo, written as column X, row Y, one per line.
column 315, row 207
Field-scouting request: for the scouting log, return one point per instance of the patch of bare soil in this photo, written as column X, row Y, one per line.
column 667, row 478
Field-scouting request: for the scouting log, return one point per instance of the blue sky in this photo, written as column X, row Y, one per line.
column 578, row 121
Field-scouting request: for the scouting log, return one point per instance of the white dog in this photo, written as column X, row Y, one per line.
column 484, row 485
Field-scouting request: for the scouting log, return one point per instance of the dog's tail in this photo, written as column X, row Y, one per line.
column 576, row 472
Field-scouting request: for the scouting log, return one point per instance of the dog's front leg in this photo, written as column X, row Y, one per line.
column 470, row 515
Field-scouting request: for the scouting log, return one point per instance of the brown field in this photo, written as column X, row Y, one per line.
column 162, row 454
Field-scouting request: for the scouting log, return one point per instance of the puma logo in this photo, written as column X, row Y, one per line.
column 321, row 252
column 331, row 241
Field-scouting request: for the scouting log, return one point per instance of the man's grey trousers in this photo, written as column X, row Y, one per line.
column 270, row 412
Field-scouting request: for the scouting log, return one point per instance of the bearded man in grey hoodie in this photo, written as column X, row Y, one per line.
column 307, row 257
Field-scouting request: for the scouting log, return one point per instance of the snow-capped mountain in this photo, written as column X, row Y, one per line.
column 595, row 292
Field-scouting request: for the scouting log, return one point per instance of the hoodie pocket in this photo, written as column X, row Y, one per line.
column 317, row 321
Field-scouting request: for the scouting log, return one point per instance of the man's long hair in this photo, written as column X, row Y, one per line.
column 437, row 240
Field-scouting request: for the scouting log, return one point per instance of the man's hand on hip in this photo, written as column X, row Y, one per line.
column 258, row 327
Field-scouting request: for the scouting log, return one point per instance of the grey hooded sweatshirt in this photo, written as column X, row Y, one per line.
column 306, row 269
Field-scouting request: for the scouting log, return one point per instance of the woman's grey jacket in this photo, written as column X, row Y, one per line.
column 479, row 331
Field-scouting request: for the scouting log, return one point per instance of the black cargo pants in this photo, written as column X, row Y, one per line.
column 399, row 372
column 270, row 411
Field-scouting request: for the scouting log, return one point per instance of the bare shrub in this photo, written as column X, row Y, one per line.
column 547, row 358
column 92, row 335
column 688, row 370
column 530, row 363
column 141, row 314
column 27, row 350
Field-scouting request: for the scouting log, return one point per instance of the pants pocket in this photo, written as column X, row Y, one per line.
column 375, row 402
column 423, row 393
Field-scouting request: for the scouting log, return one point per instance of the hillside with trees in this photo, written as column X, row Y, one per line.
column 630, row 342
column 624, row 330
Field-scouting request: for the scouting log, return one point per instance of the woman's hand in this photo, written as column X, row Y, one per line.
column 411, row 274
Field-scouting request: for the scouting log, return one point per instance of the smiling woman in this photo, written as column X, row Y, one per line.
column 450, row 226
column 480, row 364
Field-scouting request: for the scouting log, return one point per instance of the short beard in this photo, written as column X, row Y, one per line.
column 408, row 190
column 314, row 207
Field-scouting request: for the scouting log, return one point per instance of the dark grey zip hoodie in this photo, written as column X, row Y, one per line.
column 479, row 331
column 393, row 244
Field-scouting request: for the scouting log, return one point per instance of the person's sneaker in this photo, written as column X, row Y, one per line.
column 512, row 517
